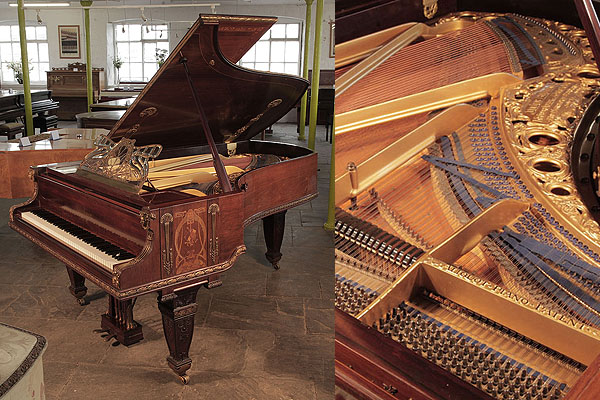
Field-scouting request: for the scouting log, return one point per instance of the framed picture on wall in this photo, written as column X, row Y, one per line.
column 68, row 41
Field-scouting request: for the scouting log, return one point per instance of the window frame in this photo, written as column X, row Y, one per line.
column 117, row 25
column 3, row 60
column 298, row 61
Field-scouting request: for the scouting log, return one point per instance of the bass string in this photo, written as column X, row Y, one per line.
column 424, row 66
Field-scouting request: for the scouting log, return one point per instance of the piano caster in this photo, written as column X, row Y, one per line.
column 185, row 379
column 276, row 265
column 82, row 301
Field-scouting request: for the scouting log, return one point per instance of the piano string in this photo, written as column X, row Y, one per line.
column 456, row 201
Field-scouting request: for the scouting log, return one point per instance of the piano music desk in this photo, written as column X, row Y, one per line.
column 15, row 161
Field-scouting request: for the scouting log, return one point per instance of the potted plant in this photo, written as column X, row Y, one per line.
column 161, row 56
column 117, row 63
column 17, row 68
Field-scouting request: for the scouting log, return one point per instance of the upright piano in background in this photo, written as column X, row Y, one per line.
column 69, row 87
column 467, row 232
column 133, row 224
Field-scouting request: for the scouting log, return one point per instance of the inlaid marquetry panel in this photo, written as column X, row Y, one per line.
column 189, row 239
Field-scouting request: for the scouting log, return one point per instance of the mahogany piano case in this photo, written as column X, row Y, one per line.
column 133, row 224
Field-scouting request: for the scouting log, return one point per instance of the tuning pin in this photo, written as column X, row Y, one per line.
column 539, row 382
column 523, row 375
column 533, row 393
column 496, row 380
column 499, row 393
column 484, row 380
column 444, row 362
column 430, row 355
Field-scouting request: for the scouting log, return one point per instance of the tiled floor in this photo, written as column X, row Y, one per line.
column 263, row 334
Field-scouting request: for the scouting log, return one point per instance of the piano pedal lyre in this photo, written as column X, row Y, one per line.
column 118, row 323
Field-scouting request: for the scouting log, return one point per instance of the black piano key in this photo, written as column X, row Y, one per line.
column 112, row 250
column 87, row 237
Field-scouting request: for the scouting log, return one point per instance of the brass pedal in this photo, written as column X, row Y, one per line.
column 109, row 336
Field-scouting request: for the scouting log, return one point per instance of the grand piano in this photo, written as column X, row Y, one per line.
column 467, row 222
column 12, row 105
column 161, row 204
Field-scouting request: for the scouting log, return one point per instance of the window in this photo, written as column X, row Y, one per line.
column 37, row 52
column 136, row 46
column 277, row 51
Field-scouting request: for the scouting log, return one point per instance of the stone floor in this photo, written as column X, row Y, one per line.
column 263, row 334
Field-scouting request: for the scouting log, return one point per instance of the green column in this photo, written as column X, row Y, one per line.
column 25, row 65
column 330, row 224
column 302, row 122
column 88, row 53
column 316, row 73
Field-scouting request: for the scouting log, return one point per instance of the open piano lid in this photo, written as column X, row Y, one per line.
column 238, row 103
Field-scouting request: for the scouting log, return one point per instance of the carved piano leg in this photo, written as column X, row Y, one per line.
column 77, row 288
column 178, row 311
column 273, row 227
column 118, row 322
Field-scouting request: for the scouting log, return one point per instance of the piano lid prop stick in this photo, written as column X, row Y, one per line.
column 219, row 167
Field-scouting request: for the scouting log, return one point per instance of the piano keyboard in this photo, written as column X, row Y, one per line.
column 85, row 243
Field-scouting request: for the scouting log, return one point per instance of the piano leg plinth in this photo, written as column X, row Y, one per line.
column 118, row 322
column 274, row 227
column 77, row 288
column 178, row 310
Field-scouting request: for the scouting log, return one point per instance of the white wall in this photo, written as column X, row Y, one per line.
column 102, row 17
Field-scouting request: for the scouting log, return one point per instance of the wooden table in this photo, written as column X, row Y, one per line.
column 15, row 161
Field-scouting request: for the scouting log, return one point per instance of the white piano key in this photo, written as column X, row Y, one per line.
column 104, row 260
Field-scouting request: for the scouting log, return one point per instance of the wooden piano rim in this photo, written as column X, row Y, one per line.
column 73, row 260
column 100, row 190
